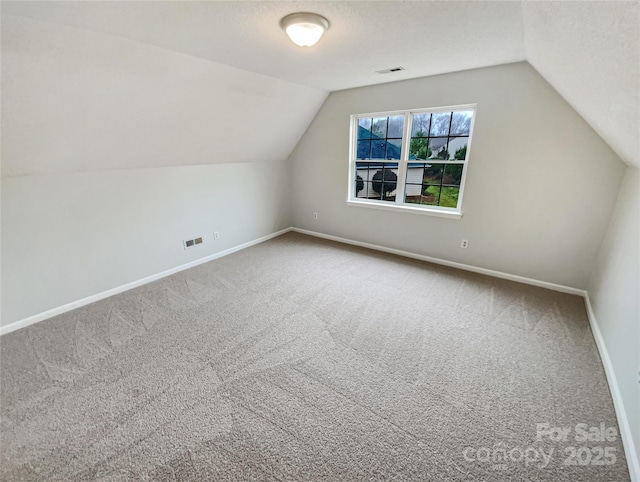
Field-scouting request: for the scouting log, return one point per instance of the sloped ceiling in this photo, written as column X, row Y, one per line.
column 75, row 100
column 587, row 50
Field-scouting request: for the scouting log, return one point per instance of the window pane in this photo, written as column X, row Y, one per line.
column 436, row 159
column 452, row 174
column 384, row 182
column 432, row 173
column 415, row 173
column 368, row 191
column 361, row 176
column 438, row 148
column 359, row 185
column 378, row 149
column 386, row 137
column 440, row 123
column 458, row 148
column 413, row 188
column 413, row 191
column 430, row 195
column 396, row 123
column 420, row 125
column 394, row 147
column 461, row 123
column 449, row 196
column 376, row 180
column 419, row 148
column 433, row 184
column 364, row 172
column 364, row 150
column 379, row 127
column 364, row 128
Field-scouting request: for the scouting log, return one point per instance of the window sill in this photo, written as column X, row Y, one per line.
column 451, row 214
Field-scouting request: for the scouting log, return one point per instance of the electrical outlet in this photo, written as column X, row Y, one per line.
column 216, row 235
column 315, row 216
column 464, row 244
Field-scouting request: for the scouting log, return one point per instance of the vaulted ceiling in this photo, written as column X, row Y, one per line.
column 588, row 51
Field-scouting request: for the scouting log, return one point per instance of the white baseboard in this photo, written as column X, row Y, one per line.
column 623, row 422
column 119, row 289
column 452, row 264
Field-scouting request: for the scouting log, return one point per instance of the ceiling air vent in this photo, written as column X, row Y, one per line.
column 388, row 71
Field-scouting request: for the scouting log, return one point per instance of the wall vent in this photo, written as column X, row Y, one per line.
column 190, row 243
column 388, row 71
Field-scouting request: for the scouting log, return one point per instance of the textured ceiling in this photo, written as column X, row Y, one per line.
column 587, row 50
column 426, row 38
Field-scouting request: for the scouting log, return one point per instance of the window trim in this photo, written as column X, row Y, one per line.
column 399, row 205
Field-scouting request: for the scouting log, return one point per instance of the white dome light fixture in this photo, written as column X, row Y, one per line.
column 304, row 28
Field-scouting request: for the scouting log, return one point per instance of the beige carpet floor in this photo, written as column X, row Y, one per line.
column 303, row 359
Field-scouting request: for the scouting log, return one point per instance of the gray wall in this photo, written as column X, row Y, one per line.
column 74, row 100
column 614, row 291
column 69, row 236
column 539, row 191
column 113, row 152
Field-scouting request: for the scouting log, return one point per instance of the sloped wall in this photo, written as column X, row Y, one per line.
column 613, row 291
column 539, row 191
column 75, row 100
column 113, row 152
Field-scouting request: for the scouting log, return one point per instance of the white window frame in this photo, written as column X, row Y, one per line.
column 399, row 204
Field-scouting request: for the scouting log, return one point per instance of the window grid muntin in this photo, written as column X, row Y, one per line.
column 372, row 168
column 389, row 141
column 438, row 183
column 405, row 152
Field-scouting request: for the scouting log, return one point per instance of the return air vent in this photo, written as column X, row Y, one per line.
column 190, row 243
column 388, row 71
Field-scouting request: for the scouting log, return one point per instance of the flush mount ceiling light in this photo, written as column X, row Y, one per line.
column 304, row 28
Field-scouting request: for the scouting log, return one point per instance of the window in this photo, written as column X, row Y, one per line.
column 411, row 161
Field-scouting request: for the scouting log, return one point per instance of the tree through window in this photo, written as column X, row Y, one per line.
column 412, row 158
